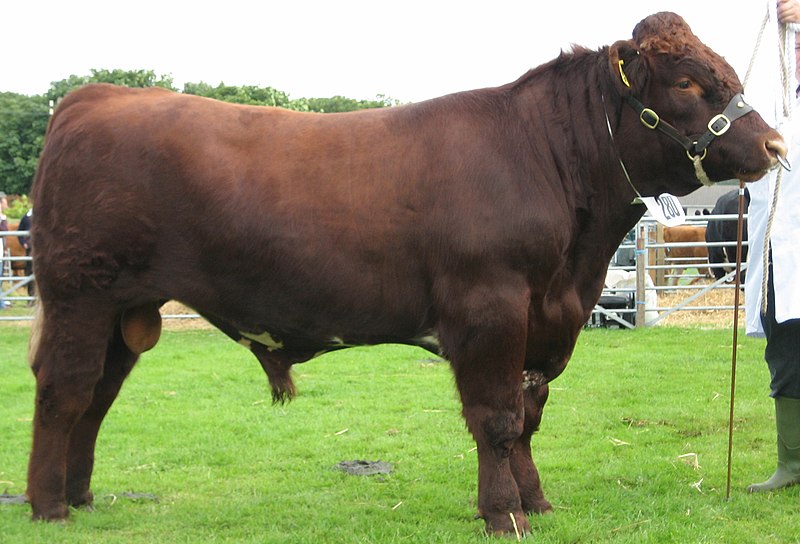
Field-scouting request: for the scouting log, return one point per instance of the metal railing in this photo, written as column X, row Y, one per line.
column 11, row 283
column 651, row 261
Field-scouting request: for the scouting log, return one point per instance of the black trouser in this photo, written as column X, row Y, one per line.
column 783, row 348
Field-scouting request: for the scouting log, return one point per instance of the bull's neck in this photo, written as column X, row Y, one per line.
column 569, row 101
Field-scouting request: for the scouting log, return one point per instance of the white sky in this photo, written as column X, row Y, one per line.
column 409, row 50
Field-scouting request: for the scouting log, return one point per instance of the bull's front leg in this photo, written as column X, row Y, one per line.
column 522, row 465
column 495, row 430
column 487, row 351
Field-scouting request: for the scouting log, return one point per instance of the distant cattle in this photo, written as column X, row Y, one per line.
column 690, row 256
column 478, row 225
column 725, row 230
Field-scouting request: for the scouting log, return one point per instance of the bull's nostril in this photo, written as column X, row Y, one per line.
column 777, row 148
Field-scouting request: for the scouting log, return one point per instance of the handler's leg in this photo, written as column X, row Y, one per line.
column 787, row 472
column 783, row 358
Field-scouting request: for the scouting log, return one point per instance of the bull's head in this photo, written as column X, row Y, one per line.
column 691, row 102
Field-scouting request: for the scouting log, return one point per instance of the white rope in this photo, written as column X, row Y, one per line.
column 767, row 236
column 699, row 171
column 755, row 49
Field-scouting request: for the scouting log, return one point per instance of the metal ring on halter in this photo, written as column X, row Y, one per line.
column 691, row 157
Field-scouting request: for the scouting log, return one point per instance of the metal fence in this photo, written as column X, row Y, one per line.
column 643, row 260
column 641, row 265
column 13, row 278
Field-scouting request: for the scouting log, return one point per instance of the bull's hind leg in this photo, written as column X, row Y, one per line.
column 136, row 331
column 522, row 465
column 68, row 363
column 80, row 455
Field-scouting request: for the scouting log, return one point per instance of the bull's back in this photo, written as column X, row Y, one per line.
column 116, row 145
column 156, row 187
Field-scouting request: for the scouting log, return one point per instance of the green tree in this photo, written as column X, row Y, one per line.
column 249, row 94
column 126, row 78
column 267, row 96
column 23, row 120
column 342, row 104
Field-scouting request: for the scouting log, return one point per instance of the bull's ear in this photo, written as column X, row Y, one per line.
column 627, row 67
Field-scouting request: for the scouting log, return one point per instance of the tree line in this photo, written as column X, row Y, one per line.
column 23, row 118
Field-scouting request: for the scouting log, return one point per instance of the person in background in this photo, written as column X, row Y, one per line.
column 25, row 242
column 780, row 325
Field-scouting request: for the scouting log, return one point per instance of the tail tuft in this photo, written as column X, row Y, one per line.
column 283, row 389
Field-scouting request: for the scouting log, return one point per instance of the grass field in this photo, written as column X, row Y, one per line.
column 632, row 448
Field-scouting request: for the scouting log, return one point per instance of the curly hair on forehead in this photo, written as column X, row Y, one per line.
column 663, row 32
column 668, row 34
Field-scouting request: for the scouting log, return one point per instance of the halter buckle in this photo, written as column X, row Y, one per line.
column 719, row 124
column 652, row 118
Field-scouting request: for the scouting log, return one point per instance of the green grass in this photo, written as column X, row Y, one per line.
column 195, row 428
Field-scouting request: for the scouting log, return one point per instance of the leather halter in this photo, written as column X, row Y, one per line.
column 697, row 145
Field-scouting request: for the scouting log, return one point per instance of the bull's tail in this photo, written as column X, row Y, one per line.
column 283, row 388
column 278, row 373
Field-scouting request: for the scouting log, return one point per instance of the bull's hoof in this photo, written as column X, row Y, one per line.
column 58, row 512
column 79, row 499
column 540, row 507
column 508, row 524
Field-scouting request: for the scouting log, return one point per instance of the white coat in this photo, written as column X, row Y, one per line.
column 785, row 236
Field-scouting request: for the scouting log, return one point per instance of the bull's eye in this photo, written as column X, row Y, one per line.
column 684, row 84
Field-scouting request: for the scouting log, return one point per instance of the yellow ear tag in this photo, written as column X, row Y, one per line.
column 622, row 73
